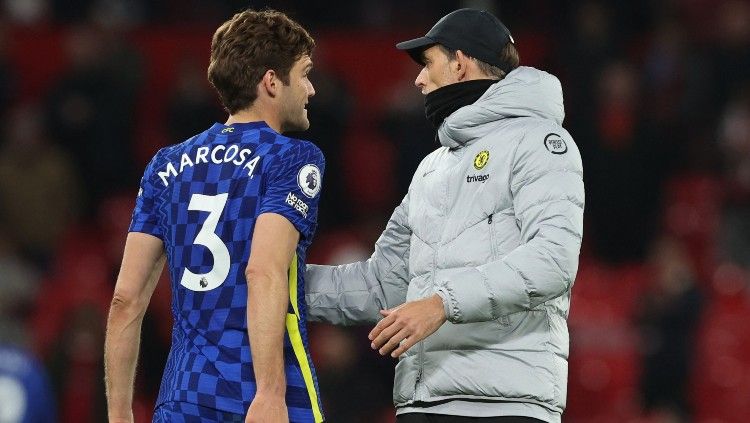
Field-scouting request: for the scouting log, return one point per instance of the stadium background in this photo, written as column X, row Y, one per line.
column 657, row 97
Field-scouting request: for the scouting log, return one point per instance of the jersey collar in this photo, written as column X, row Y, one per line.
column 220, row 128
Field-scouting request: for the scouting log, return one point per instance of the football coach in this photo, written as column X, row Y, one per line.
column 471, row 279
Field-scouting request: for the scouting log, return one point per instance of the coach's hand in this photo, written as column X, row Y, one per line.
column 267, row 409
column 406, row 325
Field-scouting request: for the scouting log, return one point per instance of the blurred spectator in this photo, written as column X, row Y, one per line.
column 39, row 189
column 119, row 13
column 669, row 319
column 25, row 394
column 8, row 74
column 18, row 289
column 91, row 110
column 77, row 366
column 192, row 107
column 731, row 57
column 624, row 166
column 79, row 276
column 587, row 46
column 721, row 372
column 676, row 82
column 338, row 247
column 71, row 11
column 692, row 213
column 734, row 142
column 205, row 11
column 345, row 378
column 405, row 125
column 26, row 12
column 330, row 113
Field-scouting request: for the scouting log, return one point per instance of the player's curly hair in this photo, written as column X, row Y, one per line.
column 249, row 44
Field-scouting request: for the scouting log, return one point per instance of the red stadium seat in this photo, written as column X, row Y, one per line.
column 604, row 361
column 721, row 376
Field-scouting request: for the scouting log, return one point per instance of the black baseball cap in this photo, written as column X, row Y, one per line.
column 477, row 33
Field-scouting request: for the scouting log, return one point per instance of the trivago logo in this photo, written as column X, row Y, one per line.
column 477, row 178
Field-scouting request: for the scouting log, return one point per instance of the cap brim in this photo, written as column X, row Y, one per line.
column 415, row 47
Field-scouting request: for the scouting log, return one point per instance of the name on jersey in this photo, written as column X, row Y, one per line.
column 298, row 204
column 218, row 155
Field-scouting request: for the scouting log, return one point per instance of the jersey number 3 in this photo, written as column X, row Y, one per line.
column 214, row 205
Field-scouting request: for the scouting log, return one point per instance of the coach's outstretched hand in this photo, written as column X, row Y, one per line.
column 406, row 325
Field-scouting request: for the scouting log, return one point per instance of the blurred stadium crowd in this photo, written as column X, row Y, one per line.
column 657, row 97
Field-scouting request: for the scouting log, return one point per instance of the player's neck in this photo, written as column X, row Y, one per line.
column 252, row 115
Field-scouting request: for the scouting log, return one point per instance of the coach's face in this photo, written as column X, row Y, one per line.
column 294, row 96
column 438, row 70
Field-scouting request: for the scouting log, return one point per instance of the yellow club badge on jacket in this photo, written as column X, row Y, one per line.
column 481, row 159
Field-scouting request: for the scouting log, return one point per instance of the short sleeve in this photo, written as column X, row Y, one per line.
column 145, row 218
column 293, row 187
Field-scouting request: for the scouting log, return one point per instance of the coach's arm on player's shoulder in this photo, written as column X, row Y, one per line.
column 142, row 264
column 355, row 293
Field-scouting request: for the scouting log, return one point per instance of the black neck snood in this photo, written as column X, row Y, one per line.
column 440, row 103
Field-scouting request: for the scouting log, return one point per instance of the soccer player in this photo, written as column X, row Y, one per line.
column 232, row 210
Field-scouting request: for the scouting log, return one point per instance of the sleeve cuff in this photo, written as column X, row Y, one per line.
column 294, row 217
column 447, row 301
column 470, row 296
column 147, row 229
column 465, row 293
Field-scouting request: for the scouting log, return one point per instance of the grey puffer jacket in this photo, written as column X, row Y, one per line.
column 492, row 222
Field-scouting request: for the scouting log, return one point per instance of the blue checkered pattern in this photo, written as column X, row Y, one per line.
column 209, row 364
column 181, row 412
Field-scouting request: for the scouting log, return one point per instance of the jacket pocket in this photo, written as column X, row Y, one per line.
column 527, row 329
column 504, row 321
column 506, row 235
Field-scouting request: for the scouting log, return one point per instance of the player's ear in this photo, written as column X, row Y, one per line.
column 269, row 83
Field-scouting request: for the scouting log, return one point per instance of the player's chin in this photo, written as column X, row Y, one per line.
column 302, row 124
column 296, row 125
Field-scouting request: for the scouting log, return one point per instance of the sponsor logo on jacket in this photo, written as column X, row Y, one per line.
column 555, row 144
column 477, row 178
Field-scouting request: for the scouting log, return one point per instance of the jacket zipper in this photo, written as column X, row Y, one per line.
column 420, row 354
column 421, row 370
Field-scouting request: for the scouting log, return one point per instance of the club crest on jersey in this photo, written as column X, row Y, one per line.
column 481, row 159
column 308, row 180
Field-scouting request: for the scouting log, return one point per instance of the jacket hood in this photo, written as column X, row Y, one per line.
column 524, row 92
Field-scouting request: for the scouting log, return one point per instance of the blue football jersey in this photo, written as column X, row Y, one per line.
column 202, row 198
